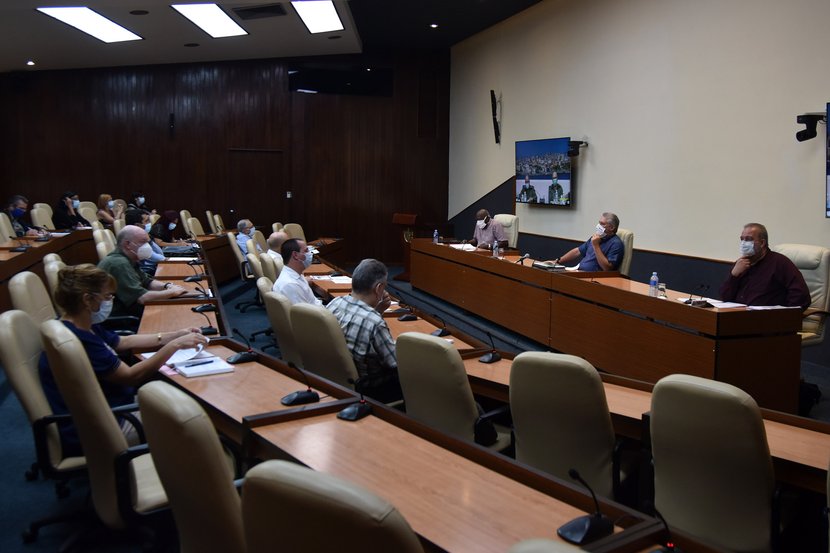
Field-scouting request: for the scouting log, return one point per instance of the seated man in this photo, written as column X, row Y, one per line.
column 16, row 208
column 764, row 277
column 487, row 231
column 245, row 232
column 275, row 242
column 604, row 251
column 291, row 283
column 367, row 335
column 135, row 287
column 141, row 219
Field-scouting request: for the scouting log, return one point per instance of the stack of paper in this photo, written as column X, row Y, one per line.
column 195, row 362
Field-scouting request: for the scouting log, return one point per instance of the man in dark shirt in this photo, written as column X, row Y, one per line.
column 764, row 277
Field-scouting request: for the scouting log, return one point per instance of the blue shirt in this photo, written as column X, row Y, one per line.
column 611, row 246
column 242, row 242
column 100, row 347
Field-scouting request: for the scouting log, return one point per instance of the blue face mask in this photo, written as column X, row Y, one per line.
column 103, row 312
column 76, row 204
column 18, row 212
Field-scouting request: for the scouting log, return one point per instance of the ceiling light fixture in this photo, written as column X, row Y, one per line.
column 92, row 23
column 434, row 25
column 319, row 16
column 211, row 19
column 30, row 62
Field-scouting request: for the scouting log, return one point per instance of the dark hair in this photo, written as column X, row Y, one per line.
column 168, row 217
column 75, row 281
column 17, row 198
column 288, row 247
column 68, row 194
column 134, row 216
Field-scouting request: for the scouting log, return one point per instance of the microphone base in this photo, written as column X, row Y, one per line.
column 441, row 332
column 193, row 278
column 208, row 331
column 408, row 317
column 42, row 238
column 20, row 249
column 243, row 357
column 355, row 411
column 491, row 357
column 301, row 397
column 586, row 529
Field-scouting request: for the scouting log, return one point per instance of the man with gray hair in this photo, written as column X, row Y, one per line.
column 245, row 231
column 603, row 251
column 367, row 335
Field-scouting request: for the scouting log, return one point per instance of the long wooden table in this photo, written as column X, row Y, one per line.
column 613, row 323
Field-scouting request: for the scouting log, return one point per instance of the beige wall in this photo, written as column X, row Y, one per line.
column 688, row 106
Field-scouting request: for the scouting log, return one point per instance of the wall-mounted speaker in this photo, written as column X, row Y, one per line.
column 494, row 104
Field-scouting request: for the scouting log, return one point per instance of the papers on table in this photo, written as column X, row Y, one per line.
column 730, row 304
column 60, row 234
column 334, row 279
column 549, row 266
column 184, row 355
column 181, row 259
column 464, row 247
column 194, row 362
column 770, row 307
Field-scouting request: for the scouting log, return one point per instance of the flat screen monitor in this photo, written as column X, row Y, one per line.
column 543, row 172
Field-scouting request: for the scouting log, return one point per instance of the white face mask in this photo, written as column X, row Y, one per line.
column 111, row 204
column 147, row 227
column 139, row 200
column 599, row 229
column 76, row 204
column 481, row 223
column 747, row 248
column 144, row 252
column 309, row 257
column 103, row 312
column 171, row 226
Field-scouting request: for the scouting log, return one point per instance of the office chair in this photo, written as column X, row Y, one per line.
column 154, row 217
column 264, row 285
column 103, row 249
column 814, row 264
column 713, row 474
column 220, row 224
column 276, row 227
column 122, row 203
column 184, row 219
column 437, row 392
column 46, row 207
column 294, row 230
column 211, row 222
column 279, row 315
column 41, row 218
column 627, row 238
column 89, row 213
column 6, row 227
column 245, row 272
column 259, row 238
column 561, row 419
column 195, row 227
column 51, row 271
column 511, row 227
column 118, row 225
column 50, row 257
column 285, row 506
column 89, row 205
column 192, row 465
column 30, row 295
column 322, row 345
column 104, row 236
column 270, row 268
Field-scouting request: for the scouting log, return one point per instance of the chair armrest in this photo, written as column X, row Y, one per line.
column 809, row 312
column 123, row 482
column 41, row 446
column 494, row 413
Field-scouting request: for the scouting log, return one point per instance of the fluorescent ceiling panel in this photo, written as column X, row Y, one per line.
column 319, row 16
column 211, row 19
column 92, row 23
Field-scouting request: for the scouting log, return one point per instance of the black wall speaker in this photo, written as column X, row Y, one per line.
column 494, row 105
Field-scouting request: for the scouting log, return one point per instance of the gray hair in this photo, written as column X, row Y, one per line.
column 129, row 233
column 367, row 275
column 613, row 219
column 240, row 226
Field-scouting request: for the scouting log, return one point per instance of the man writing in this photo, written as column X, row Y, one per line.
column 603, row 251
column 291, row 283
column 764, row 277
column 487, row 232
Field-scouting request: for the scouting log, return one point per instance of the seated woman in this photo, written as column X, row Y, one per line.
column 141, row 219
column 85, row 295
column 65, row 214
column 162, row 231
column 108, row 210
column 139, row 201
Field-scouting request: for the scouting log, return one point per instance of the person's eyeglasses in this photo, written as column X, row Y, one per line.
column 747, row 239
column 106, row 297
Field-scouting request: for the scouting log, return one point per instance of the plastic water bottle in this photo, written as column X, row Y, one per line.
column 435, row 237
column 652, row 285
column 495, row 248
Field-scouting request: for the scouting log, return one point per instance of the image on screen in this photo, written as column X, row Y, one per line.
column 543, row 172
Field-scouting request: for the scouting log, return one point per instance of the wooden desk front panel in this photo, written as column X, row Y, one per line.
column 222, row 260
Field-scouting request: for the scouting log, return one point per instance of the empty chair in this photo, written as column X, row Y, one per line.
column 279, row 315
column 315, row 326
column 289, row 507
column 627, row 238
column 90, row 213
column 294, row 230
column 103, row 249
column 436, row 390
column 191, row 463
column 263, row 286
column 510, row 223
column 45, row 207
column 184, row 219
column 30, row 295
column 211, row 222
column 269, row 267
column 6, row 228
column 220, row 224
column 814, row 264
column 245, row 272
column 41, row 218
column 195, row 227
column 51, row 271
column 276, row 227
column 561, row 419
column 50, row 257
column 713, row 474
column 117, row 225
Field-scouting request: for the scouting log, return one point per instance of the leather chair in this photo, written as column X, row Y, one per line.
column 192, row 465
column 270, row 268
column 46, row 207
column 103, row 249
column 561, row 419
column 118, row 225
column 511, row 227
column 814, row 264
column 89, row 205
column 184, row 220
column 321, row 344
column 627, row 238
column 279, row 315
column 125, row 487
column 90, row 213
column 245, row 272
column 276, row 227
column 259, row 238
column 220, row 224
column 105, row 236
column 50, row 257
column 154, row 217
column 41, row 218
column 294, row 230
column 6, row 228
column 51, row 271
column 211, row 222
column 195, row 227
column 436, row 390
column 263, row 286
column 122, row 203
column 713, row 475
column 289, row 507
column 96, row 225
column 30, row 295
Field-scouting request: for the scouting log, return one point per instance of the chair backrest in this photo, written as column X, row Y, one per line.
column 695, row 423
column 259, row 238
column 435, row 385
column 89, row 205
column 184, row 219
column 105, row 236
column 122, row 203
column 211, row 222
column 269, row 266
column 51, row 271
column 264, row 285
column 195, row 226
column 50, row 257
column 30, row 295
column 627, row 238
column 276, row 227
column 103, row 249
column 220, row 224
column 6, row 228
column 118, row 225
column 90, row 213
column 561, row 419
column 278, row 308
column 154, row 217
column 511, row 227
column 45, row 207
column 254, row 264
column 321, row 343
column 41, row 218
column 294, row 230
column 285, row 506
column 814, row 264
column 240, row 259
column 194, row 470
column 96, row 225
column 100, row 435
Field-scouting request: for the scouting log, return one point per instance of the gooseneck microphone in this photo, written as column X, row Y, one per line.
column 243, row 356
column 300, row 397
column 588, row 528
column 491, row 356
column 701, row 289
column 208, row 330
column 521, row 260
column 441, row 332
column 668, row 544
column 196, row 276
column 23, row 247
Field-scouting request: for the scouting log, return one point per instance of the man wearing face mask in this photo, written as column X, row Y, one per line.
column 16, row 208
column 367, row 335
column 141, row 219
column 487, row 231
column 603, row 251
column 291, row 283
column 764, row 277
column 135, row 287
column 245, row 231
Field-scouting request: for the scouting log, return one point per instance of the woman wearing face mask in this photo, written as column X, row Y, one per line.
column 108, row 210
column 85, row 294
column 65, row 213
column 139, row 201
column 162, row 232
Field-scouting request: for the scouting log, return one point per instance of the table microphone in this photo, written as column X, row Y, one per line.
column 521, row 260
column 491, row 356
column 588, row 528
column 441, row 332
column 358, row 410
column 300, row 397
column 208, row 330
column 669, row 546
column 243, row 356
column 23, row 247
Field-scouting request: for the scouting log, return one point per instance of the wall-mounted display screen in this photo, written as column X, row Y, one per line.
column 543, row 172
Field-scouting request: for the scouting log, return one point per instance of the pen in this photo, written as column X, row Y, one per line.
column 197, row 364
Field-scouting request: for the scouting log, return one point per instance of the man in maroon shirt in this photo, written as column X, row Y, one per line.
column 763, row 277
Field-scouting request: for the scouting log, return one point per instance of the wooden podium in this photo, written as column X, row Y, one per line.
column 405, row 221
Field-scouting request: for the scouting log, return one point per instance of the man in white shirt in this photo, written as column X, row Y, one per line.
column 275, row 242
column 291, row 283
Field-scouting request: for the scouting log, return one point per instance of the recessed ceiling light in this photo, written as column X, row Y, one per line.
column 211, row 19
column 139, row 12
column 92, row 23
column 368, row 69
column 191, row 45
column 434, row 25
column 319, row 16
column 334, row 37
column 306, row 91
column 30, row 62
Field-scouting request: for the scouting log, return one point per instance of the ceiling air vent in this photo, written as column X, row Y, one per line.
column 260, row 12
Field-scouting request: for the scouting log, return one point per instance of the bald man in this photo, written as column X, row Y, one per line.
column 275, row 242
